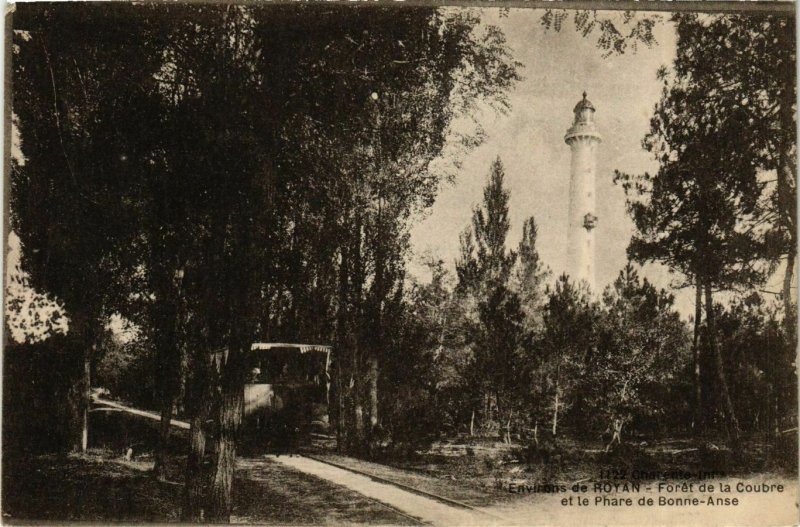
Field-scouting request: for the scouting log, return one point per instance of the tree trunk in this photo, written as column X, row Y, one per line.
column 731, row 423
column 87, row 394
column 74, row 413
column 616, row 427
column 359, row 423
column 171, row 356
column 83, row 340
column 220, row 500
column 342, row 346
column 161, row 457
column 372, row 400
column 198, row 400
column 359, row 333
column 555, row 412
column 768, row 413
column 76, row 409
column 230, row 409
column 340, row 430
column 787, row 168
column 472, row 424
column 168, row 397
column 194, row 487
column 697, row 419
column 357, row 432
column 787, row 287
column 555, row 403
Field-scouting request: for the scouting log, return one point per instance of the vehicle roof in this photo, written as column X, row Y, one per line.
column 302, row 348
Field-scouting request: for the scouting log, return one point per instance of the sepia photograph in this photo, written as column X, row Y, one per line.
column 389, row 263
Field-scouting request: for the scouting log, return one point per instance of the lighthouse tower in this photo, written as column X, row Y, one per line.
column 583, row 139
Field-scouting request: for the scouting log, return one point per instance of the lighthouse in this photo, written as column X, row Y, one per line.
column 583, row 139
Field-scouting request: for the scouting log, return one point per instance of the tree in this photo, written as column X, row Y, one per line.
column 618, row 32
column 399, row 103
column 634, row 377
column 424, row 370
column 65, row 192
column 346, row 176
column 759, row 362
column 492, row 262
column 567, row 340
column 742, row 69
column 530, row 276
column 702, row 214
column 119, row 195
column 484, row 272
column 528, row 284
column 228, row 202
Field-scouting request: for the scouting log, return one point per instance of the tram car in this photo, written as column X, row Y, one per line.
column 287, row 393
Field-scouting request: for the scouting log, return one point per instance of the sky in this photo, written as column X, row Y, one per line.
column 558, row 67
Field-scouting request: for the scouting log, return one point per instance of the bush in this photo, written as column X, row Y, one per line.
column 39, row 404
column 411, row 419
column 784, row 453
column 629, row 457
column 126, row 370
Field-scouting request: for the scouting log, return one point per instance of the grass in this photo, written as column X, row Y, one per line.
column 84, row 488
column 99, row 487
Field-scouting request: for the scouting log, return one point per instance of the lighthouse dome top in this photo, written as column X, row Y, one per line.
column 583, row 104
column 583, row 127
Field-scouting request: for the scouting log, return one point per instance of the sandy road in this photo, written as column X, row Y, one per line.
column 426, row 509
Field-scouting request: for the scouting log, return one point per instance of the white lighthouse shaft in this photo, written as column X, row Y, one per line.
column 583, row 140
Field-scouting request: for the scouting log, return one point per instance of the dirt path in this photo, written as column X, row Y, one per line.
column 426, row 509
column 104, row 404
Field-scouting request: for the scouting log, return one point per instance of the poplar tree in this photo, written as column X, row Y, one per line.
column 530, row 275
column 77, row 233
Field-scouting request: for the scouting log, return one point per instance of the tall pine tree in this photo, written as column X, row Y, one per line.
column 484, row 271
